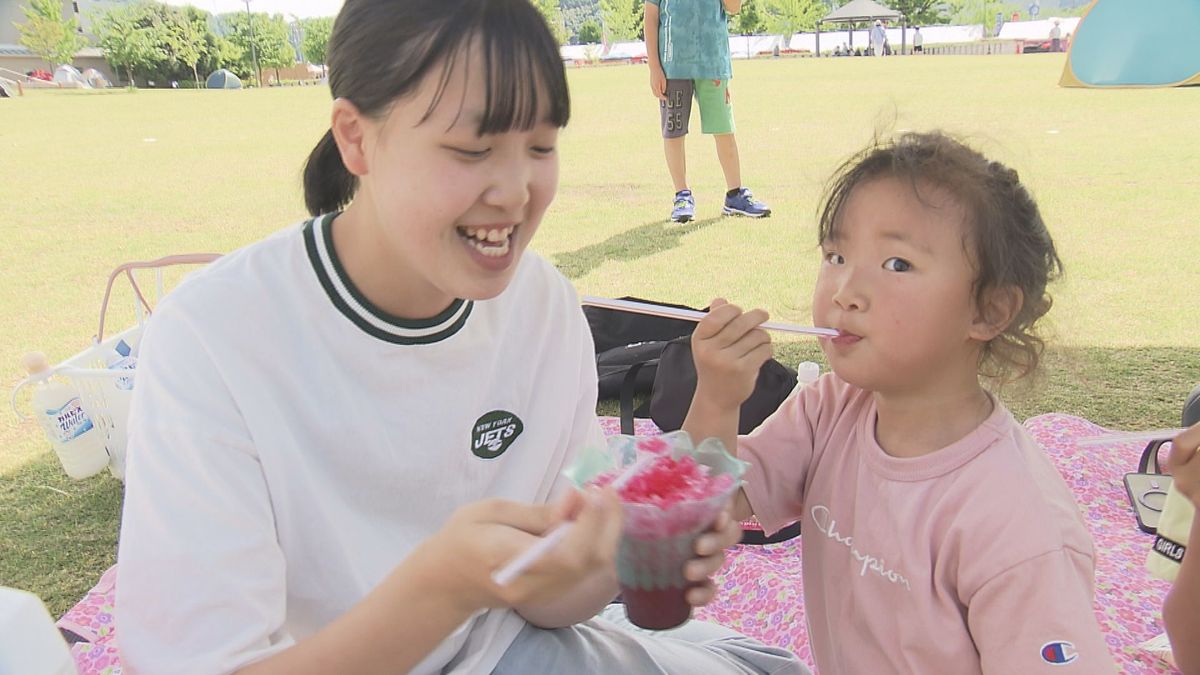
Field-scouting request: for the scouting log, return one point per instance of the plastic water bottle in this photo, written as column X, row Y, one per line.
column 76, row 440
column 807, row 372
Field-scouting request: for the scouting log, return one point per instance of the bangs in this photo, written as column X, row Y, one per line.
column 524, row 78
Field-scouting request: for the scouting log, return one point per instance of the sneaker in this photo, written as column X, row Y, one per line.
column 685, row 207
column 742, row 204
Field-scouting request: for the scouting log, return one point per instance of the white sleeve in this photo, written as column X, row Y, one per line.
column 585, row 427
column 200, row 577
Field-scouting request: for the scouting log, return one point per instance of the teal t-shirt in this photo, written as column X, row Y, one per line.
column 693, row 39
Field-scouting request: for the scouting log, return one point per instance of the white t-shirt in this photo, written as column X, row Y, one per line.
column 290, row 444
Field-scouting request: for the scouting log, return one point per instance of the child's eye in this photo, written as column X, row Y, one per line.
column 897, row 265
column 834, row 258
column 471, row 154
column 545, row 151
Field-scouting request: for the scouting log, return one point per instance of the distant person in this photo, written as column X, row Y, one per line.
column 687, row 46
column 878, row 38
column 1056, row 38
column 918, row 41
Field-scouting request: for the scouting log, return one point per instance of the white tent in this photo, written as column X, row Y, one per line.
column 69, row 77
column 96, row 79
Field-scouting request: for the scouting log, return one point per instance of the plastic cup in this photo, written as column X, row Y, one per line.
column 658, row 540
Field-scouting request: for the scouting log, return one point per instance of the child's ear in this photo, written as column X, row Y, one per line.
column 349, row 127
column 997, row 309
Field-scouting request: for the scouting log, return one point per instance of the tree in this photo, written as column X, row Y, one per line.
column 576, row 12
column 50, row 36
column 128, row 42
column 623, row 19
column 180, row 39
column 748, row 21
column 554, row 18
column 590, row 32
column 270, row 41
column 277, row 52
column 316, row 40
column 924, row 12
column 788, row 17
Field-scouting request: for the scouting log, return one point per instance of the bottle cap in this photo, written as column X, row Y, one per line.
column 35, row 363
column 808, row 372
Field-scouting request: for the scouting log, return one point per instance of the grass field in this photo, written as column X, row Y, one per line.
column 92, row 179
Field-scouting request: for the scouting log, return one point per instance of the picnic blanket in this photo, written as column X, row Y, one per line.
column 760, row 588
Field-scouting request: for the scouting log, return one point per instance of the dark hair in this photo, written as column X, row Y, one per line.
column 1007, row 241
column 381, row 50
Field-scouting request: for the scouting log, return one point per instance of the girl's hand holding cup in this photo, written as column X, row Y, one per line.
column 483, row 536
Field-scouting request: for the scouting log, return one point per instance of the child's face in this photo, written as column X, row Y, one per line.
column 455, row 209
column 897, row 281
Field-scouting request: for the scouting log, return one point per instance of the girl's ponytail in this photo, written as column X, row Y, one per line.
column 328, row 184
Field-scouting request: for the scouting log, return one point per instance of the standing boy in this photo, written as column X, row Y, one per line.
column 687, row 45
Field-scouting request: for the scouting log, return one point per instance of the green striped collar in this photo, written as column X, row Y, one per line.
column 318, row 242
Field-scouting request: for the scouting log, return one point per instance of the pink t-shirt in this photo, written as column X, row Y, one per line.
column 970, row 559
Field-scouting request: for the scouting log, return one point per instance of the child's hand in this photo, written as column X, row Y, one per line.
column 1184, row 464
column 658, row 82
column 710, row 557
column 729, row 350
column 482, row 537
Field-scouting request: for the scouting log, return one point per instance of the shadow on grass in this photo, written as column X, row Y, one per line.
column 640, row 242
column 57, row 536
column 1120, row 388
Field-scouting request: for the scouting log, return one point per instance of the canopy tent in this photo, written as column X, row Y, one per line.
column 861, row 10
column 1118, row 43
column 223, row 79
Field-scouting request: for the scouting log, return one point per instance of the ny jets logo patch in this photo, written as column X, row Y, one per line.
column 494, row 433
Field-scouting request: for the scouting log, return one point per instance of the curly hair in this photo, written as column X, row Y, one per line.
column 1007, row 239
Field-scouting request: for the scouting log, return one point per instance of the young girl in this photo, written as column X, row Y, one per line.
column 310, row 409
column 937, row 537
column 1181, row 611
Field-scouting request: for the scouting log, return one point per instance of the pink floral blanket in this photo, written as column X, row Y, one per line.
column 761, row 590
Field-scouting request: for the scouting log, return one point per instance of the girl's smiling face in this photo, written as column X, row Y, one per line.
column 451, row 209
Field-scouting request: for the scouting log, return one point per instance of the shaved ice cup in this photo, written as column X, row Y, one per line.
column 656, row 542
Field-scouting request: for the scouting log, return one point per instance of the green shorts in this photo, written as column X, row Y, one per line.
column 713, row 98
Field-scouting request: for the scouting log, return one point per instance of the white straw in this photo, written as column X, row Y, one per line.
column 1130, row 437
column 692, row 315
column 514, row 569
column 631, row 471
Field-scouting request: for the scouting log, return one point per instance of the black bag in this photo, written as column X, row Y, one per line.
column 627, row 349
column 612, row 328
column 675, row 385
column 1147, row 489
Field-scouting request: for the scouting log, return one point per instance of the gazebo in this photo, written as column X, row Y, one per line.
column 862, row 10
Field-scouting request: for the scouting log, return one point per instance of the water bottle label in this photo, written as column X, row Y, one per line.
column 69, row 421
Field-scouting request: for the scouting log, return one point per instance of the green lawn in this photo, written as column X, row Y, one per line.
column 91, row 179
